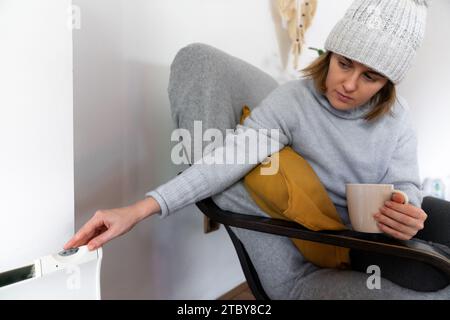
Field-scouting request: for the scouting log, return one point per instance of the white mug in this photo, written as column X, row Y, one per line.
column 364, row 201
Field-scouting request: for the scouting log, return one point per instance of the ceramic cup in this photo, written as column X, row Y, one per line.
column 364, row 200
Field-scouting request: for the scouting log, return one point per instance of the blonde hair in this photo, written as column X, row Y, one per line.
column 383, row 101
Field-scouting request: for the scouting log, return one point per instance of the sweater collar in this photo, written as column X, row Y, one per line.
column 356, row 113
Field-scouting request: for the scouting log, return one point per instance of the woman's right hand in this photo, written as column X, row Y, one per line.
column 106, row 225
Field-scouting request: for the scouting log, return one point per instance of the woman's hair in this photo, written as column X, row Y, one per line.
column 383, row 101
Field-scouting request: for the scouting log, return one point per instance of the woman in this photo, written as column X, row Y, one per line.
column 346, row 122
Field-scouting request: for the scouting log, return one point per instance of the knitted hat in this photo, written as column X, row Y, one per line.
column 381, row 34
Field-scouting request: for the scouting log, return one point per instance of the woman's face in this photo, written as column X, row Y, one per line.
column 355, row 81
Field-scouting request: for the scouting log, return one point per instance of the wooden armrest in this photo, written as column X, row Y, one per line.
column 379, row 243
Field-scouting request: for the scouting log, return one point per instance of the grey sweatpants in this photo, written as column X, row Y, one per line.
column 223, row 80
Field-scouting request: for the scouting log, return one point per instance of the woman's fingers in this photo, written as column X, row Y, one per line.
column 86, row 233
column 396, row 234
column 101, row 239
column 400, row 217
column 104, row 226
column 400, row 221
column 389, row 218
column 412, row 216
column 398, row 197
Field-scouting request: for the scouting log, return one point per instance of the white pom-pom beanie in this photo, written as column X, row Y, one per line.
column 381, row 34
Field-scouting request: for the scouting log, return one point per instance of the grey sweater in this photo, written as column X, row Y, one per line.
column 340, row 146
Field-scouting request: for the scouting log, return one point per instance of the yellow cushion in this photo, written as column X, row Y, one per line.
column 296, row 193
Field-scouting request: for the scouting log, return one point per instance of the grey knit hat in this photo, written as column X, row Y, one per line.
column 381, row 34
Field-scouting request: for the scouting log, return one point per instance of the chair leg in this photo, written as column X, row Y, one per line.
column 247, row 267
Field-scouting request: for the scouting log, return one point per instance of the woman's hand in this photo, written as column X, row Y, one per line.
column 401, row 221
column 106, row 225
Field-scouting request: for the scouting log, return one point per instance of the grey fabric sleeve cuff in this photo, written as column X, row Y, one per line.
column 162, row 203
column 186, row 188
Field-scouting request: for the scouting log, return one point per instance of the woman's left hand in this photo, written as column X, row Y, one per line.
column 401, row 221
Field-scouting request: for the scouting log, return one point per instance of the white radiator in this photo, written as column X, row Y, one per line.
column 67, row 275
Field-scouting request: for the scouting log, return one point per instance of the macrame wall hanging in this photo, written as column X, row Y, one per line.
column 297, row 16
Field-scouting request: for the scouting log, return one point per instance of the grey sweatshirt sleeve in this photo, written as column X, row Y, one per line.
column 204, row 179
column 403, row 170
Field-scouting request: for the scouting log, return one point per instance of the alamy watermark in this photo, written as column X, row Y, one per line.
column 73, row 281
column 374, row 280
column 74, row 17
column 375, row 21
column 240, row 146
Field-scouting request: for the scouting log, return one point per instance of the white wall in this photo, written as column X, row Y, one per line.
column 122, row 56
column 427, row 90
column 122, row 131
column 36, row 163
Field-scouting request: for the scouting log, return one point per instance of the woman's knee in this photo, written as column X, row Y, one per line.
column 200, row 59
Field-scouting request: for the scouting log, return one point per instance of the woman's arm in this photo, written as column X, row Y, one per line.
column 201, row 180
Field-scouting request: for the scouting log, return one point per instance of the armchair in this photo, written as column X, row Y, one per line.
column 415, row 250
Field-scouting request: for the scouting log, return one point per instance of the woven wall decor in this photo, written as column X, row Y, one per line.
column 297, row 16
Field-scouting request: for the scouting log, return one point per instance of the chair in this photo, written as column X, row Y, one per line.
column 413, row 249
column 239, row 83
